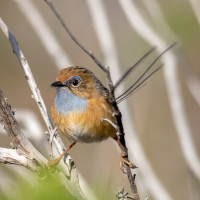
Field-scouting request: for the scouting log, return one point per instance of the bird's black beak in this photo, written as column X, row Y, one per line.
column 58, row 84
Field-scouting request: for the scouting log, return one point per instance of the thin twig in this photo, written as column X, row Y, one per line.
column 61, row 59
column 18, row 140
column 73, row 38
column 50, row 142
column 123, row 195
column 107, row 44
column 117, row 113
column 28, row 74
column 37, row 96
column 13, row 157
column 104, row 35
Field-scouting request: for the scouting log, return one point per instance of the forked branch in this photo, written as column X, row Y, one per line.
column 23, row 152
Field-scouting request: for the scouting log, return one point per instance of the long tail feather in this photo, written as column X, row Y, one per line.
column 132, row 67
column 133, row 89
column 142, row 77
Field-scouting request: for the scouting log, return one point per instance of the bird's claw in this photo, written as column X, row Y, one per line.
column 52, row 163
column 125, row 161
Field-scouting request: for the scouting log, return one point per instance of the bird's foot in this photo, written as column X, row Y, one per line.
column 53, row 163
column 124, row 161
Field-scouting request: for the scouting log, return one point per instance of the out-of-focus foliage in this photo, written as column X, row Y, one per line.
column 48, row 187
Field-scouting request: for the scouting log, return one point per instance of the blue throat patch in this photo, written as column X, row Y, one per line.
column 67, row 102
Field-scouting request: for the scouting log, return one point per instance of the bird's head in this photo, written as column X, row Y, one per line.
column 79, row 81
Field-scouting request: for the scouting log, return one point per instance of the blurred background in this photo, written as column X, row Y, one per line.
column 150, row 108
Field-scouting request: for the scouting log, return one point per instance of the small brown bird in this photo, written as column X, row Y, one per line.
column 82, row 109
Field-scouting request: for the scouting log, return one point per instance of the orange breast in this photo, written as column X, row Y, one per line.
column 86, row 126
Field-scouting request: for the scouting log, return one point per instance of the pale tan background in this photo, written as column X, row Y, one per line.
column 99, row 163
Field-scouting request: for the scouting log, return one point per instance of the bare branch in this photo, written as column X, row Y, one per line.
column 60, row 58
column 118, row 115
column 107, row 44
column 18, row 140
column 28, row 74
column 37, row 96
column 89, row 53
column 14, row 156
column 24, row 153
column 122, row 195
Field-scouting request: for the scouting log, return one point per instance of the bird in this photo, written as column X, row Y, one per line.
column 82, row 110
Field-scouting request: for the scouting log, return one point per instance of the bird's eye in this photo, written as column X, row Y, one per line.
column 75, row 81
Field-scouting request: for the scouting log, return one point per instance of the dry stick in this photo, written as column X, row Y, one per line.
column 23, row 152
column 12, row 156
column 28, row 74
column 52, row 46
column 60, row 58
column 73, row 37
column 118, row 115
column 38, row 98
